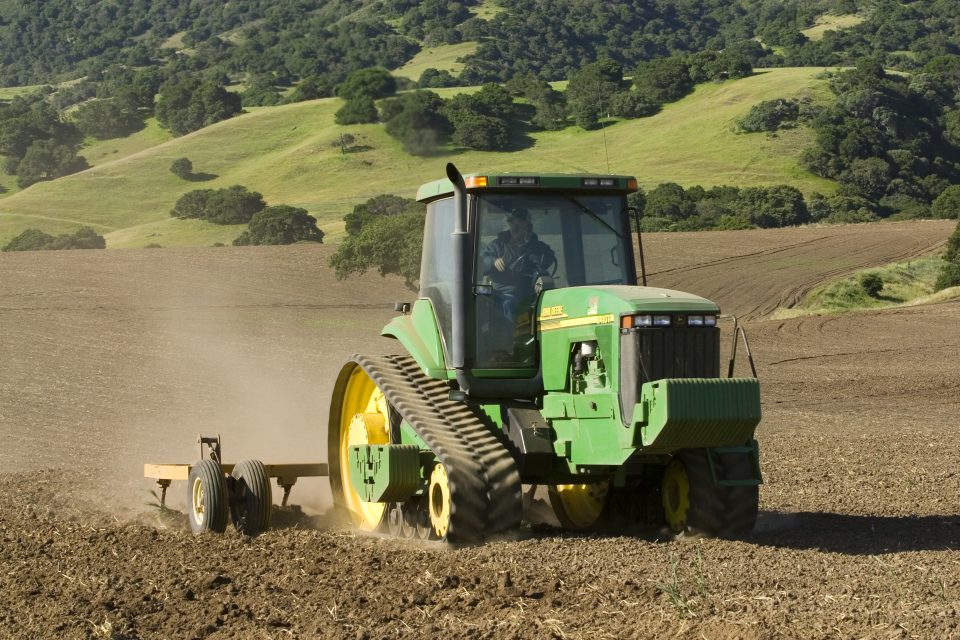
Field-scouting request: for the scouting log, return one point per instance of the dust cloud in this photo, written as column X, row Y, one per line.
column 125, row 357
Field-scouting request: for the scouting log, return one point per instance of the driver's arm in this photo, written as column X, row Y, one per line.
column 547, row 257
column 488, row 259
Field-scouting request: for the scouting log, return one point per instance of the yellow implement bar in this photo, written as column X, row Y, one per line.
column 286, row 474
column 280, row 471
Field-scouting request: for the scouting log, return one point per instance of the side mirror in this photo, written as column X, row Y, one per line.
column 402, row 307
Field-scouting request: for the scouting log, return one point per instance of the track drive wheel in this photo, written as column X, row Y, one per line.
column 694, row 503
column 208, row 500
column 579, row 506
column 359, row 415
column 252, row 498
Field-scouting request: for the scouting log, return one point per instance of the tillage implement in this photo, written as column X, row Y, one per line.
column 533, row 357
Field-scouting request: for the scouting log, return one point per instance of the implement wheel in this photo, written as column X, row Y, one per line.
column 359, row 414
column 208, row 500
column 252, row 498
column 694, row 503
column 579, row 506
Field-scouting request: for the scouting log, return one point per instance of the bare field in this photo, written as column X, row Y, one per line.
column 112, row 359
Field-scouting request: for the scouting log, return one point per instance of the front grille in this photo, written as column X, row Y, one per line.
column 648, row 354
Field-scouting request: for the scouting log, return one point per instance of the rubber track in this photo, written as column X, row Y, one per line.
column 485, row 489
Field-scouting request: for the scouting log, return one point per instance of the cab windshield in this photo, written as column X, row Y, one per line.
column 529, row 241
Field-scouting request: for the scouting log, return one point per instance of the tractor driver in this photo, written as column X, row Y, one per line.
column 513, row 260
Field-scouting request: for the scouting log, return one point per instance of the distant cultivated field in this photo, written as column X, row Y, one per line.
column 752, row 274
column 292, row 156
column 115, row 358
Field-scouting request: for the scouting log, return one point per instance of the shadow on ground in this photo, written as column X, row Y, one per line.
column 201, row 177
column 856, row 534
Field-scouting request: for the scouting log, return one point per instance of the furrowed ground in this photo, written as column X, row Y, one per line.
column 112, row 359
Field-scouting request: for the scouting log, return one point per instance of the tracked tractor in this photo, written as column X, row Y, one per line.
column 532, row 357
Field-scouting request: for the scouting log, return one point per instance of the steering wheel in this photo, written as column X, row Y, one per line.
column 540, row 269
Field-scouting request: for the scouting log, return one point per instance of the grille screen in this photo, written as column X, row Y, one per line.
column 654, row 354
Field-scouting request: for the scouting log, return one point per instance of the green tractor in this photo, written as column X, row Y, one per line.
column 532, row 357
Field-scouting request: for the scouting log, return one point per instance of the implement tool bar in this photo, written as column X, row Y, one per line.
column 286, row 474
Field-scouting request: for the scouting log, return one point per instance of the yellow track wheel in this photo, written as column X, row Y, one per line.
column 363, row 420
column 439, row 501
column 676, row 496
column 578, row 506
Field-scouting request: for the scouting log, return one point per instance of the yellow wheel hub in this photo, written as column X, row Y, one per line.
column 676, row 496
column 363, row 420
column 198, row 505
column 439, row 501
column 579, row 505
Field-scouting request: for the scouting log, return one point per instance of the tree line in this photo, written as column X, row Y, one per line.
column 313, row 45
column 277, row 224
column 307, row 49
column 892, row 142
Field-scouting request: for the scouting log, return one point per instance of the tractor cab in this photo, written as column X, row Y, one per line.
column 523, row 234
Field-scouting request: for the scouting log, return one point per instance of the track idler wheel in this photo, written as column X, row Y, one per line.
column 208, row 501
column 579, row 506
column 675, row 490
column 694, row 503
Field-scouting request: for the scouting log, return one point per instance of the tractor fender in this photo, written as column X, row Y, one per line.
column 420, row 336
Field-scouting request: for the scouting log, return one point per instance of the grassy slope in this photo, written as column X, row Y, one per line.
column 288, row 153
column 829, row 22
column 486, row 9
column 904, row 284
column 99, row 152
column 9, row 93
column 440, row 58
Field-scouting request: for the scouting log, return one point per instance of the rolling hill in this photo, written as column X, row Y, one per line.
column 291, row 154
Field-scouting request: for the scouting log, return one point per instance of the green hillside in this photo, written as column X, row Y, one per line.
column 291, row 155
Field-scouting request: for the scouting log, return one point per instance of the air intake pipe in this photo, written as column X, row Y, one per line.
column 461, row 274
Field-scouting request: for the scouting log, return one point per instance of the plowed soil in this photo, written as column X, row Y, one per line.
column 112, row 359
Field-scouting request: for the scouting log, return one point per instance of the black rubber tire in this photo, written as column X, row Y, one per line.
column 717, row 510
column 207, row 485
column 252, row 501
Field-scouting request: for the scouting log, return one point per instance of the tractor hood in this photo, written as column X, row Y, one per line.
column 595, row 314
column 587, row 301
